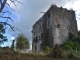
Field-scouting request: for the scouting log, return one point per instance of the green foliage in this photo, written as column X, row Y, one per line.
column 47, row 49
column 2, row 31
column 67, row 47
column 46, row 41
column 71, row 36
column 22, row 42
column 74, row 38
column 73, row 55
column 71, row 45
column 74, row 41
column 77, row 45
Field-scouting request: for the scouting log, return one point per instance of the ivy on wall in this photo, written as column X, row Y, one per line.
column 47, row 39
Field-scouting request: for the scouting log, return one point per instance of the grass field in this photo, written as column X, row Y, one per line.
column 8, row 54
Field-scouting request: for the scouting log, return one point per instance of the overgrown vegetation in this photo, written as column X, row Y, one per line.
column 72, row 46
column 70, row 50
column 56, row 52
column 73, row 43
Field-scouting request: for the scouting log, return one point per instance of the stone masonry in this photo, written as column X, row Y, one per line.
column 53, row 28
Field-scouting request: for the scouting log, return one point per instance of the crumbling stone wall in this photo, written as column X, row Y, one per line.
column 53, row 27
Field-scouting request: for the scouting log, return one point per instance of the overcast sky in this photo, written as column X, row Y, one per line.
column 29, row 12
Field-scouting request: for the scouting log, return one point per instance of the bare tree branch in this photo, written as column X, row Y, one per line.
column 1, row 2
column 2, row 5
column 5, row 23
column 19, row 1
column 5, row 2
column 7, row 18
column 2, row 13
column 13, row 2
column 10, row 7
column 12, row 28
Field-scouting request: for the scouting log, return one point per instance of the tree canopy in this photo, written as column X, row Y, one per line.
column 22, row 42
column 2, row 31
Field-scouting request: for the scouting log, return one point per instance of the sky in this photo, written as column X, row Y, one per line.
column 28, row 13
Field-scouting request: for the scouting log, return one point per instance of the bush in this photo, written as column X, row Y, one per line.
column 71, row 35
column 72, row 55
column 64, row 54
column 56, row 52
column 47, row 49
column 67, row 47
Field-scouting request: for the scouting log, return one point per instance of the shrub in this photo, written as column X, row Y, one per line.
column 67, row 47
column 72, row 55
column 47, row 49
column 71, row 36
column 56, row 51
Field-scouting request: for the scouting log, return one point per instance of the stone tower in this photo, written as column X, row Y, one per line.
column 53, row 28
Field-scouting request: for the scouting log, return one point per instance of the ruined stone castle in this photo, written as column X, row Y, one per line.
column 53, row 28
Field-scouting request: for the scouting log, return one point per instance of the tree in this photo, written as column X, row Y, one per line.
column 2, row 31
column 22, row 42
column 4, row 24
column 3, row 3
